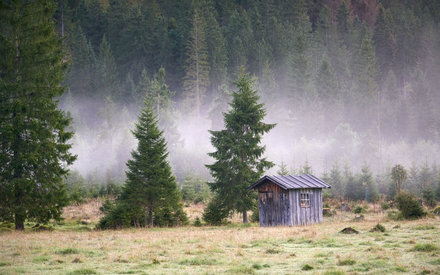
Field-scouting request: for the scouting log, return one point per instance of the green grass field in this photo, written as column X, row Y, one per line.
column 72, row 248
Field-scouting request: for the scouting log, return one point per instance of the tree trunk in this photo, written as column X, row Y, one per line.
column 150, row 217
column 19, row 221
column 245, row 218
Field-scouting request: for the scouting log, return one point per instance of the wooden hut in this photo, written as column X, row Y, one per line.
column 289, row 200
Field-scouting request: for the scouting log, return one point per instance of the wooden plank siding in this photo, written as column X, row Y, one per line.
column 283, row 207
column 306, row 215
column 273, row 205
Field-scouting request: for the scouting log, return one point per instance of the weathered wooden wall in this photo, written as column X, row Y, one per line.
column 305, row 215
column 282, row 207
column 273, row 205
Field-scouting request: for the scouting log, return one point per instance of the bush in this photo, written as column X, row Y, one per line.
column 378, row 228
column 326, row 212
column 385, row 205
column 436, row 211
column 123, row 215
column 307, row 267
column 167, row 217
column 107, row 207
column 116, row 216
column 197, row 222
column 408, row 206
column 215, row 212
column 358, row 209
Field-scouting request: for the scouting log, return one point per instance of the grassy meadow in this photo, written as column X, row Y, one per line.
column 74, row 248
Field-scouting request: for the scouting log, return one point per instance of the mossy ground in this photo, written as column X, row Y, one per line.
column 232, row 249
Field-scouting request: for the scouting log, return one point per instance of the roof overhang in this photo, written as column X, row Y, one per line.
column 293, row 182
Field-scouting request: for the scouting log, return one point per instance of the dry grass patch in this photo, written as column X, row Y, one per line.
column 232, row 249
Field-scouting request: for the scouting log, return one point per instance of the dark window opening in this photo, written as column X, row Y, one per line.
column 305, row 199
column 266, row 196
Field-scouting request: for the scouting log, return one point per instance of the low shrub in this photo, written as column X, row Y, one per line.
column 215, row 213
column 409, row 206
column 197, row 222
column 436, row 211
column 259, row 266
column 123, row 215
column 358, row 209
column 306, row 267
column 272, row 251
column 378, row 228
column 385, row 205
column 326, row 212
column 349, row 230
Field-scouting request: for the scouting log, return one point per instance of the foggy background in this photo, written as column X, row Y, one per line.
column 348, row 82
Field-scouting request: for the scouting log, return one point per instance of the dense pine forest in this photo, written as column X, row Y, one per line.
column 351, row 85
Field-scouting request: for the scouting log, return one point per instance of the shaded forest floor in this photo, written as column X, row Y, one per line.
column 73, row 248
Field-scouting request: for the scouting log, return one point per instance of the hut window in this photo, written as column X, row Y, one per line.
column 305, row 199
column 266, row 196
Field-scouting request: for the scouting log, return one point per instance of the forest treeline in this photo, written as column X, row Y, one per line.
column 359, row 77
column 330, row 80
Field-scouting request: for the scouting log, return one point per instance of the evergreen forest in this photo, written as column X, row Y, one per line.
column 351, row 87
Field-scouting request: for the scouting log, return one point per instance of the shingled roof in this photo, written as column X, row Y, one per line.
column 293, row 182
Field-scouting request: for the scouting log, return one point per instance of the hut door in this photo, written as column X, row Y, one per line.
column 265, row 207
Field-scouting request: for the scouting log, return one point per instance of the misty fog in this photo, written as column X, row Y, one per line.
column 105, row 151
column 343, row 84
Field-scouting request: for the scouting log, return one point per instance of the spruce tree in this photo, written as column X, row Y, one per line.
column 81, row 72
column 385, row 41
column 34, row 148
column 238, row 156
column 283, row 171
column 366, row 179
column 300, row 64
column 354, row 190
column 107, row 72
column 343, row 24
column 325, row 82
column 335, row 181
column 216, row 45
column 399, row 176
column 197, row 66
column 306, row 169
column 160, row 95
column 150, row 195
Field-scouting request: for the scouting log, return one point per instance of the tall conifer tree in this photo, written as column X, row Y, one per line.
column 238, row 158
column 150, row 193
column 34, row 149
column 107, row 71
column 197, row 66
